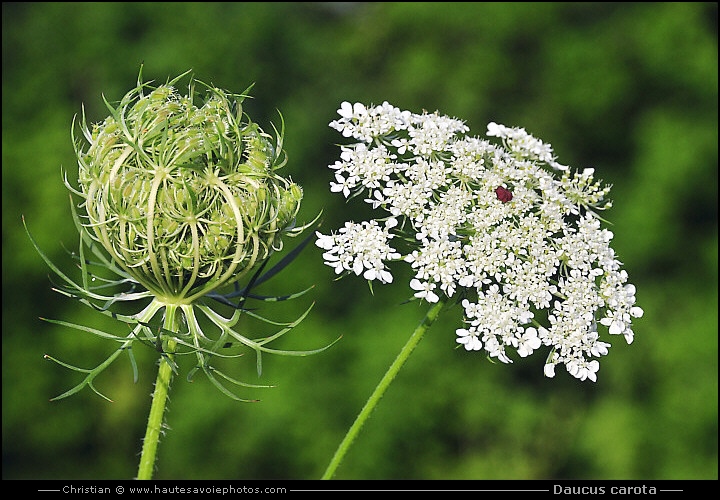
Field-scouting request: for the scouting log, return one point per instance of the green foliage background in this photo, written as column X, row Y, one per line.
column 628, row 88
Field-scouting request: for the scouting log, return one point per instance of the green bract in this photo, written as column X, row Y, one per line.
column 182, row 190
column 179, row 200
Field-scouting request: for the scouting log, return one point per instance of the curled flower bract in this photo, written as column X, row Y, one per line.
column 182, row 189
column 500, row 226
column 180, row 199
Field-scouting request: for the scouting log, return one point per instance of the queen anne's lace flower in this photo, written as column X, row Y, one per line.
column 506, row 229
column 361, row 248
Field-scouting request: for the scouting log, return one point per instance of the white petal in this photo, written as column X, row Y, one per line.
column 346, row 109
column 415, row 284
column 494, row 130
column 358, row 266
column 385, row 276
column 359, row 108
column 616, row 327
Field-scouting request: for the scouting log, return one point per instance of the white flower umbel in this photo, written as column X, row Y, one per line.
column 497, row 225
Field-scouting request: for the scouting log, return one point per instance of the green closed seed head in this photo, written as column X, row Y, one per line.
column 182, row 190
column 179, row 196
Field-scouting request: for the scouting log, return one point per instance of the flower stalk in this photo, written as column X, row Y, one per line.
column 382, row 387
column 159, row 400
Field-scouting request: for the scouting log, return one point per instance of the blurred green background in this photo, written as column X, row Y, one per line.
column 627, row 88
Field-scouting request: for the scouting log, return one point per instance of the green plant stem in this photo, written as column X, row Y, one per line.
column 375, row 397
column 159, row 399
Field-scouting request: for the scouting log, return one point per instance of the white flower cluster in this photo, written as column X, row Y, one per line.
column 503, row 227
